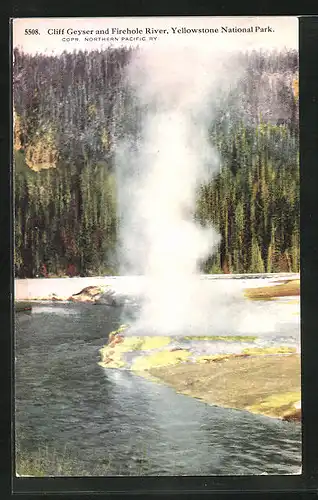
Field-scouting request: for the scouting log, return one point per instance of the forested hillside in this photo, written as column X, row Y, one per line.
column 66, row 123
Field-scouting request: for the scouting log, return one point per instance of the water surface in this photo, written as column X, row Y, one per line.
column 113, row 417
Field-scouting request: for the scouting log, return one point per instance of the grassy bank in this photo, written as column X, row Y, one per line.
column 47, row 461
column 22, row 306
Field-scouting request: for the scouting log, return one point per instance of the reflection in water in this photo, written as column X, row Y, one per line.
column 64, row 398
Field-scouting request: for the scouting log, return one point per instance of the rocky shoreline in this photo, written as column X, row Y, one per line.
column 102, row 294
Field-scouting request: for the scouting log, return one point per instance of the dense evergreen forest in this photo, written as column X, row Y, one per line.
column 66, row 123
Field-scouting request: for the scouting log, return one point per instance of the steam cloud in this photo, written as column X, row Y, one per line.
column 159, row 170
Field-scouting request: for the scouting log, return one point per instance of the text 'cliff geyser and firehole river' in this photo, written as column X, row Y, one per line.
column 113, row 422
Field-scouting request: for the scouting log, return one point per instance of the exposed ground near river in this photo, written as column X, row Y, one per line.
column 283, row 289
column 269, row 385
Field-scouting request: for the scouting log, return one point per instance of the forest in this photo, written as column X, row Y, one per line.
column 69, row 111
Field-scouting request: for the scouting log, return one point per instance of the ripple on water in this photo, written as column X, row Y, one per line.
column 106, row 416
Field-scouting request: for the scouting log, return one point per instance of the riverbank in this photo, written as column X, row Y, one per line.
column 253, row 378
column 243, row 376
column 133, row 416
column 90, row 289
column 286, row 288
column 22, row 306
column 267, row 385
column 48, row 462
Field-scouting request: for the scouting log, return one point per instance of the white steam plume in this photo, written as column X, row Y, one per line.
column 158, row 178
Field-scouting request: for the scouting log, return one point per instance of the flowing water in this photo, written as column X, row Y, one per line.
column 130, row 426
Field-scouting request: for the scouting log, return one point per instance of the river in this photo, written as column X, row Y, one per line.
column 113, row 422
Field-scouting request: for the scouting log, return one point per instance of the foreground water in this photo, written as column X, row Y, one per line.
column 122, row 422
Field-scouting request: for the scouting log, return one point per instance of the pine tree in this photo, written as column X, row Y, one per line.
column 64, row 163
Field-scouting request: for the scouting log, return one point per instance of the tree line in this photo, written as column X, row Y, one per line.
column 70, row 110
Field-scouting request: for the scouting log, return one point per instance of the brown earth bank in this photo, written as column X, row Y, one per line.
column 268, row 385
column 285, row 289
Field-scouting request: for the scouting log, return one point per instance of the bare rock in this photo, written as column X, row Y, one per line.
column 88, row 294
column 294, row 416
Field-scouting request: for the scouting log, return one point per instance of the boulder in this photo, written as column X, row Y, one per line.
column 116, row 299
column 108, row 298
column 88, row 294
column 294, row 416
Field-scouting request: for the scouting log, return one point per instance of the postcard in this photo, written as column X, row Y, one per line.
column 156, row 254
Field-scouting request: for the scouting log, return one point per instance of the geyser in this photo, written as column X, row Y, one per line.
column 164, row 155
